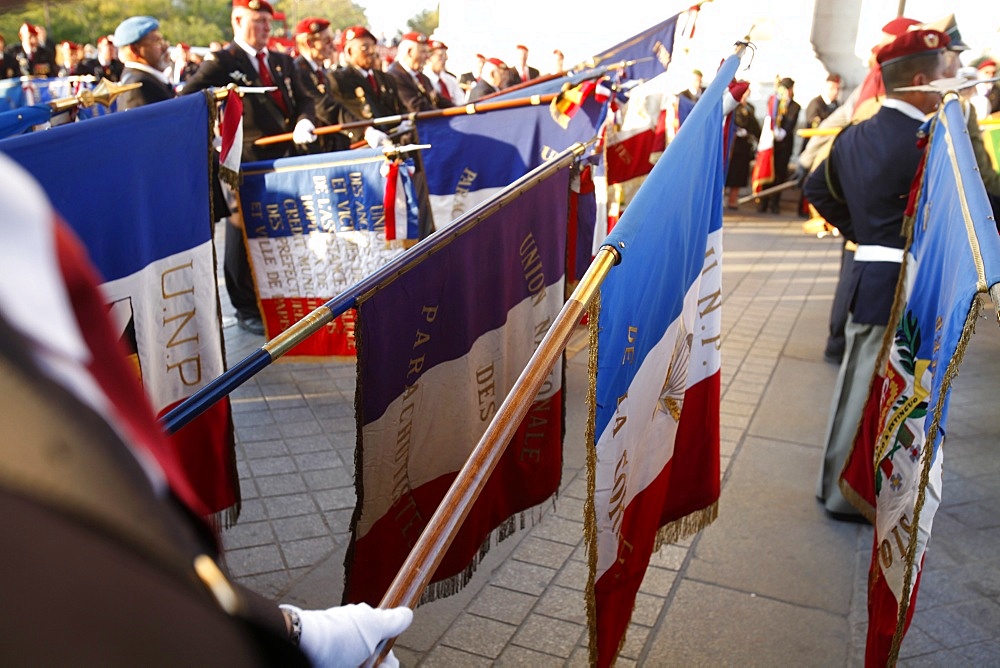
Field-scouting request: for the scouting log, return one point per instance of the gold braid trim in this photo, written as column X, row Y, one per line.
column 686, row 526
column 589, row 511
column 949, row 376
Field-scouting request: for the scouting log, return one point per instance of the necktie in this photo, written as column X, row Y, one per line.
column 265, row 78
column 371, row 82
column 444, row 90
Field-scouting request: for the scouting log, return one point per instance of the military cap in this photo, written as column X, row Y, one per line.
column 358, row 32
column 437, row 44
column 496, row 61
column 910, row 44
column 134, row 28
column 255, row 5
column 311, row 25
column 899, row 25
column 418, row 37
column 949, row 27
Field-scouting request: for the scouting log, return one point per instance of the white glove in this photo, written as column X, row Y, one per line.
column 303, row 132
column 376, row 138
column 741, row 132
column 405, row 126
column 780, row 134
column 347, row 635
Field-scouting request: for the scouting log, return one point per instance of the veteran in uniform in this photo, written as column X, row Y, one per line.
column 144, row 53
column 314, row 42
column 862, row 189
column 416, row 92
column 248, row 62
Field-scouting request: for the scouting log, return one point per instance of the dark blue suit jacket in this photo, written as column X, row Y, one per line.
column 862, row 189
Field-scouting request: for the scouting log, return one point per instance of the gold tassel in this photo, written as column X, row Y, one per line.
column 589, row 511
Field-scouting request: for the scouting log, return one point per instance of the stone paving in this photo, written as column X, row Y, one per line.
column 772, row 582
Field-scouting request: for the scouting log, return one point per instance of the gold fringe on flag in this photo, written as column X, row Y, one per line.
column 589, row 511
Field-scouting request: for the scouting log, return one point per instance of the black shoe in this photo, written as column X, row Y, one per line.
column 855, row 518
column 833, row 358
column 252, row 324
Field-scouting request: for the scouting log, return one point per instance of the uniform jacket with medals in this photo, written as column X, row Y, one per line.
column 262, row 117
column 359, row 102
column 316, row 83
column 40, row 63
column 416, row 92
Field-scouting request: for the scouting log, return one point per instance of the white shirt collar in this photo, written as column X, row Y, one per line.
column 250, row 51
column 160, row 76
column 904, row 108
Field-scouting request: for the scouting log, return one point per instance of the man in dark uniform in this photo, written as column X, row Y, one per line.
column 108, row 560
column 416, row 92
column 30, row 57
column 520, row 72
column 106, row 65
column 314, row 42
column 363, row 90
column 144, row 52
column 862, row 189
column 248, row 62
column 784, row 140
column 490, row 81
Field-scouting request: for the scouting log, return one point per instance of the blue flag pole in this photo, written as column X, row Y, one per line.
column 256, row 361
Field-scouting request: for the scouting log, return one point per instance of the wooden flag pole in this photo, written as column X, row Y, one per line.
column 416, row 572
column 768, row 191
column 468, row 109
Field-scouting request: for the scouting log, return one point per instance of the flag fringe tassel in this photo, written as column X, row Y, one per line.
column 686, row 526
column 454, row 584
column 949, row 376
column 589, row 510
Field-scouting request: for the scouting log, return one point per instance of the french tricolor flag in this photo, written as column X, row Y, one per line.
column 656, row 427
column 439, row 347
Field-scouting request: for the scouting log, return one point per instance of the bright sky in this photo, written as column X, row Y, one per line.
column 388, row 16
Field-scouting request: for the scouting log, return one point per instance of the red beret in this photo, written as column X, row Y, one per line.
column 311, row 25
column 418, row 37
column 72, row 45
column 912, row 43
column 522, row 46
column 30, row 29
column 436, row 44
column 497, row 62
column 986, row 63
column 183, row 47
column 898, row 26
column 255, row 5
column 358, row 32
column 105, row 38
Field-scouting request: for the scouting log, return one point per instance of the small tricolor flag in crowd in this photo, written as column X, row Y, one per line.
column 231, row 133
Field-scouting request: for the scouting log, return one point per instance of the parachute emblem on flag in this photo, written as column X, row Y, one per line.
column 672, row 396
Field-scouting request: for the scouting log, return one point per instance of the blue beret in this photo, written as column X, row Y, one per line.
column 134, row 28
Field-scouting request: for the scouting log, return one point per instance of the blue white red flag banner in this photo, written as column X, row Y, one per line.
column 656, row 380
column 315, row 226
column 894, row 470
column 150, row 238
column 763, row 166
column 439, row 348
column 650, row 49
column 473, row 157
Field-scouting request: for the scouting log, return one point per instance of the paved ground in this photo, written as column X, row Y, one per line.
column 772, row 582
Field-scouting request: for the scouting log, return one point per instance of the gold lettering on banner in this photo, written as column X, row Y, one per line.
column 621, row 419
column 292, row 216
column 465, row 181
column 886, row 552
column 531, row 264
column 486, row 392
column 178, row 320
column 274, row 217
column 629, row 356
column 405, row 513
column 625, row 548
column 618, row 494
column 256, row 210
column 548, row 153
column 537, row 428
column 710, row 253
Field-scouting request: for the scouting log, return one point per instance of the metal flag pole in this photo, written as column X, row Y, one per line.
column 768, row 191
column 256, row 361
